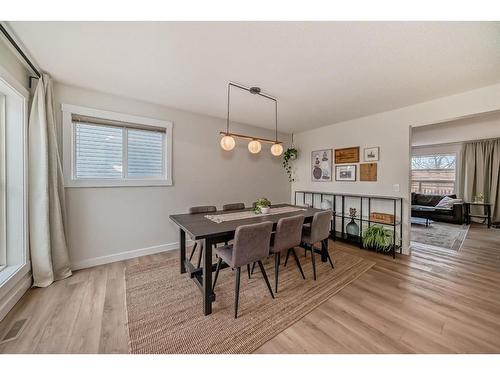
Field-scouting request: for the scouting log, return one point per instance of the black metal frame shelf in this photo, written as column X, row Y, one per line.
column 362, row 217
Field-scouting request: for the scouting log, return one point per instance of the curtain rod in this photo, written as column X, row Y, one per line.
column 20, row 51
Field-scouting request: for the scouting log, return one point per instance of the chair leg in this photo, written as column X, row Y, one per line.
column 292, row 250
column 248, row 270
column 276, row 270
column 286, row 259
column 219, row 263
column 313, row 261
column 192, row 251
column 253, row 268
column 261, row 266
column 200, row 256
column 237, row 292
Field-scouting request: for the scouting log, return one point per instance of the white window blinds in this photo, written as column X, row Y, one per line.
column 98, row 151
column 103, row 151
column 145, row 153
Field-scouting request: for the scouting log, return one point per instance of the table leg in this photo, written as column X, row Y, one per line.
column 207, row 276
column 488, row 210
column 182, row 241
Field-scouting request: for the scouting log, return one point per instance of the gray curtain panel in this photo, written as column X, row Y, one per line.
column 481, row 172
column 48, row 249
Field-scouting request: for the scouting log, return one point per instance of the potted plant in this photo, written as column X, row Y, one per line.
column 379, row 238
column 262, row 206
column 289, row 155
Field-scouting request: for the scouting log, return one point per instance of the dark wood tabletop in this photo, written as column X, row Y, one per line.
column 199, row 227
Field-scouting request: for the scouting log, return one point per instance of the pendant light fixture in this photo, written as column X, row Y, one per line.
column 228, row 142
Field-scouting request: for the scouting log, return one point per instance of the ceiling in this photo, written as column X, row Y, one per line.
column 321, row 72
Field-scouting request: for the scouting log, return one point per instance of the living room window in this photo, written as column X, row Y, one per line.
column 111, row 149
column 434, row 174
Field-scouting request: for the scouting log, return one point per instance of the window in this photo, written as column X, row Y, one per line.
column 14, row 263
column 3, row 192
column 433, row 174
column 110, row 149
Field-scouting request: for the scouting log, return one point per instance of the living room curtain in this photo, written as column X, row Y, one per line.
column 481, row 172
column 48, row 249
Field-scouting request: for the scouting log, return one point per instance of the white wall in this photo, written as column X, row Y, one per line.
column 10, row 62
column 391, row 132
column 102, row 223
column 468, row 129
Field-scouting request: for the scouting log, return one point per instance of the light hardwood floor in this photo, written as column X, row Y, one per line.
column 434, row 301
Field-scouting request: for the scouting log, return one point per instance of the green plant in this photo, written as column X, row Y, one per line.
column 261, row 202
column 378, row 237
column 479, row 198
column 352, row 213
column 290, row 154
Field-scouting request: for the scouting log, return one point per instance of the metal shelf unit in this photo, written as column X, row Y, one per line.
column 364, row 204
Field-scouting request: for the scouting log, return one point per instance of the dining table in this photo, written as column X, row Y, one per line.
column 219, row 227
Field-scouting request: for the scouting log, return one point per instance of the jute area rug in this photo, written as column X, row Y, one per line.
column 165, row 313
column 448, row 236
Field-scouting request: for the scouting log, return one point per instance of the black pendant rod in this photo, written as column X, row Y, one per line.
column 255, row 91
column 20, row 51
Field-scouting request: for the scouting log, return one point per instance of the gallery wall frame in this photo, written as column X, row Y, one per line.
column 345, row 173
column 347, row 155
column 321, row 165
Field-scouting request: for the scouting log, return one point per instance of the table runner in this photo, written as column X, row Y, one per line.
column 250, row 214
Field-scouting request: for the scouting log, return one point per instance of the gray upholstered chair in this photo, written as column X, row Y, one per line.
column 288, row 235
column 199, row 244
column 251, row 244
column 233, row 206
column 319, row 231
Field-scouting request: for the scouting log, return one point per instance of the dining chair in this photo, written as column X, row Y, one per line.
column 319, row 231
column 288, row 235
column 198, row 243
column 233, row 206
column 251, row 244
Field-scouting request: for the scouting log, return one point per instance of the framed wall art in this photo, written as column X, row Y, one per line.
column 347, row 155
column 345, row 173
column 321, row 165
column 371, row 154
column 368, row 172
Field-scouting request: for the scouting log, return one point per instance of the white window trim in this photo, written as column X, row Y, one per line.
column 18, row 265
column 68, row 148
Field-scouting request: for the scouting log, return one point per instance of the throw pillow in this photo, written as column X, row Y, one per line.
column 448, row 202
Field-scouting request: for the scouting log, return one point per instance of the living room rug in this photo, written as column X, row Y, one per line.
column 448, row 236
column 165, row 311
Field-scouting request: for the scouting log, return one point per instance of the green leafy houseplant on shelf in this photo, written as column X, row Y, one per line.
column 379, row 238
column 260, row 204
column 290, row 154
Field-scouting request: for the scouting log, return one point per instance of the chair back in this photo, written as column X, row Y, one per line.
column 233, row 206
column 320, row 226
column 251, row 243
column 202, row 209
column 288, row 233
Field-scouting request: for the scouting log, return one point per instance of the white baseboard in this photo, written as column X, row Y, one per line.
column 8, row 300
column 105, row 259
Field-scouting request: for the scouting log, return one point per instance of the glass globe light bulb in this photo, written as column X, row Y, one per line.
column 254, row 146
column 227, row 143
column 277, row 149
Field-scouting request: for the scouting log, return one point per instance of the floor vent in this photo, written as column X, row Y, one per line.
column 15, row 331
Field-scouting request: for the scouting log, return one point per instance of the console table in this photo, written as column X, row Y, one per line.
column 486, row 216
column 364, row 205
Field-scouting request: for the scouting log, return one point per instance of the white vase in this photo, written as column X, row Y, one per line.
column 264, row 210
column 326, row 204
